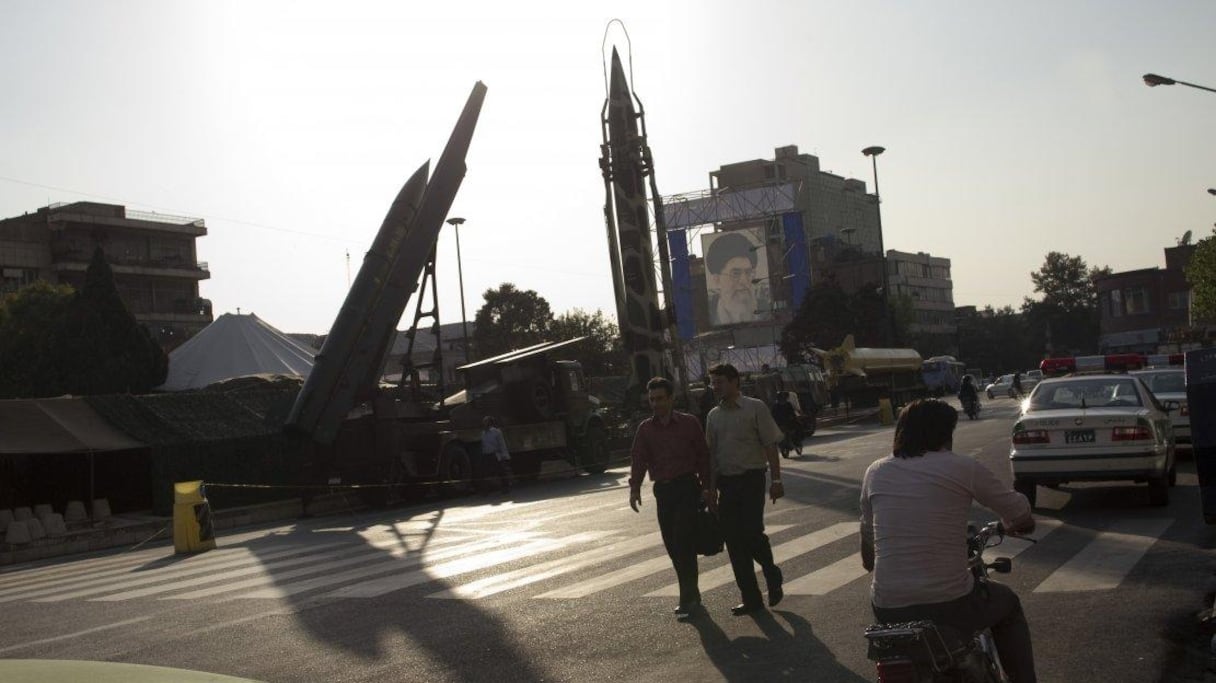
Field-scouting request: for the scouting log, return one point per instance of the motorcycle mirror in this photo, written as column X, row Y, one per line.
column 1001, row 565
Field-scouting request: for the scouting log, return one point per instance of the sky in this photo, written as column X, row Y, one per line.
column 1011, row 129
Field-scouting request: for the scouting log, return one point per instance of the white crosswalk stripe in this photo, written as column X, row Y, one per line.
column 1107, row 559
column 497, row 562
column 388, row 584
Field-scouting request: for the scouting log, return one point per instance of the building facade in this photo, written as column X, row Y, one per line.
column 1142, row 310
column 153, row 257
column 924, row 280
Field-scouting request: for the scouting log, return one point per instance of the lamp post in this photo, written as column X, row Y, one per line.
column 873, row 153
column 1153, row 80
column 456, row 222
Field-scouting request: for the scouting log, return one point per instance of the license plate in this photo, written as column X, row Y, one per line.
column 1079, row 436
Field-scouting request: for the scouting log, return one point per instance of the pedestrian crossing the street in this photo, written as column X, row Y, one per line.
column 477, row 564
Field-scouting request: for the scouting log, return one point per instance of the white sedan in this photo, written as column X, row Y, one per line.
column 1169, row 384
column 1105, row 427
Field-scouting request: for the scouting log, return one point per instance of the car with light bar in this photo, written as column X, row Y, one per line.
column 1169, row 384
column 1094, row 427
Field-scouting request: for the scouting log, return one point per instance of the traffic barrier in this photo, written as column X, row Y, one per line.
column 74, row 512
column 41, row 510
column 6, row 517
column 37, row 531
column 53, row 523
column 22, row 514
column 101, row 509
column 18, row 532
column 192, row 528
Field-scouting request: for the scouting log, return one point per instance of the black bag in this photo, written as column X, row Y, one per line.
column 709, row 533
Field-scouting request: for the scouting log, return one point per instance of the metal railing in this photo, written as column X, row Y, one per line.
column 155, row 217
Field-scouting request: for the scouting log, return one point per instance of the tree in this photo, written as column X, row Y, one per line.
column 510, row 319
column 1201, row 274
column 996, row 341
column 602, row 353
column 100, row 347
column 1066, row 319
column 828, row 314
column 29, row 320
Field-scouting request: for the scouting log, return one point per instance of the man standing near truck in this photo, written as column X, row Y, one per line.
column 671, row 447
column 494, row 451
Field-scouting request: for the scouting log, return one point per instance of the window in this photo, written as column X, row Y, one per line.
column 1116, row 303
column 1136, row 300
column 1178, row 300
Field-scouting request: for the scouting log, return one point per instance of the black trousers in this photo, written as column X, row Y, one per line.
column 741, row 513
column 988, row 605
column 677, row 502
column 495, row 467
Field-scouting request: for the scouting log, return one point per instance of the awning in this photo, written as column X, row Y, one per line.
column 57, row 425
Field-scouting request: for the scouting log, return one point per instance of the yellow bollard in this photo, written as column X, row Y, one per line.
column 885, row 414
column 192, row 530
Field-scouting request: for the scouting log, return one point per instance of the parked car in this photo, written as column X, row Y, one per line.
column 1169, row 384
column 1105, row 427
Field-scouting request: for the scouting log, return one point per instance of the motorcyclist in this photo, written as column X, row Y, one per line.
column 968, row 394
column 915, row 505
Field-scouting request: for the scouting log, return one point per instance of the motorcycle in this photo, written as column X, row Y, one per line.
column 971, row 407
column 925, row 652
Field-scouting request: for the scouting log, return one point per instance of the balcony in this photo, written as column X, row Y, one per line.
column 72, row 259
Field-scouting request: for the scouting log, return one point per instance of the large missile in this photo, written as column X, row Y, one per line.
column 348, row 367
column 638, row 313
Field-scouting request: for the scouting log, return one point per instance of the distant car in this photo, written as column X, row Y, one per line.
column 1001, row 386
column 1169, row 384
column 1105, row 427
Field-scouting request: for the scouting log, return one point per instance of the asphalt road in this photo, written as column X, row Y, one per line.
column 562, row 582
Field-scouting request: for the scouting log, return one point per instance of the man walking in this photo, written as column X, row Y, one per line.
column 671, row 447
column 743, row 438
column 494, row 451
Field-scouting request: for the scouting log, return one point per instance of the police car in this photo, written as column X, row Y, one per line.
column 1167, row 380
column 1096, row 422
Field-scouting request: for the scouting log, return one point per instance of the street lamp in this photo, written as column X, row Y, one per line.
column 1153, row 80
column 1212, row 190
column 456, row 222
column 873, row 153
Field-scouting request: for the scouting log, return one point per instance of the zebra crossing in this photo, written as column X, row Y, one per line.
column 475, row 565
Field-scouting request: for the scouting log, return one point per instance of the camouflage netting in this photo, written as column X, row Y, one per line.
column 227, row 433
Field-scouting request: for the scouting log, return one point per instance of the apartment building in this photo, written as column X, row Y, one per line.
column 1141, row 310
column 153, row 256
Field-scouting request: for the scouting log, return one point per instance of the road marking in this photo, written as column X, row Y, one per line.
column 492, row 585
column 781, row 553
column 827, row 579
column 1106, row 560
column 390, row 563
column 77, row 634
column 1014, row 546
column 195, row 565
column 388, row 584
column 93, row 572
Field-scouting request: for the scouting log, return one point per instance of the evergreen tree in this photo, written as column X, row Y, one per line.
column 100, row 348
column 29, row 321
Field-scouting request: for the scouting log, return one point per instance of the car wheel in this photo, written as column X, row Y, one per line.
column 1159, row 491
column 1027, row 488
column 990, row 396
column 1173, row 476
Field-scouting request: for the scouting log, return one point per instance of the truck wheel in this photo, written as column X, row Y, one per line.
column 1027, row 488
column 455, row 470
column 595, row 450
column 1159, row 491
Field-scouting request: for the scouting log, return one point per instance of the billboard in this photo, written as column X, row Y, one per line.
column 736, row 277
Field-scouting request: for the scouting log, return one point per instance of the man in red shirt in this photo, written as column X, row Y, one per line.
column 671, row 447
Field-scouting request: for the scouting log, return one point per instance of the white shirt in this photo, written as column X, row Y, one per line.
column 915, row 512
column 493, row 443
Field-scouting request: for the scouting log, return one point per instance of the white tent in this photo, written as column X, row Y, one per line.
column 233, row 346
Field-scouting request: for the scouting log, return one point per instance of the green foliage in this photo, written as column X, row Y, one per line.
column 602, row 354
column 828, row 314
column 1065, row 321
column 1201, row 274
column 29, row 321
column 510, row 319
column 996, row 341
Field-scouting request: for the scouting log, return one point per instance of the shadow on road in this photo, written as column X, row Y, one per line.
column 780, row 654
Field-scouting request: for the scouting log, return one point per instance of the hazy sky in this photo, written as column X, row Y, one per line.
column 1011, row 129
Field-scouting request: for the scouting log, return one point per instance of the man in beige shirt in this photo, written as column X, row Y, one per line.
column 743, row 440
